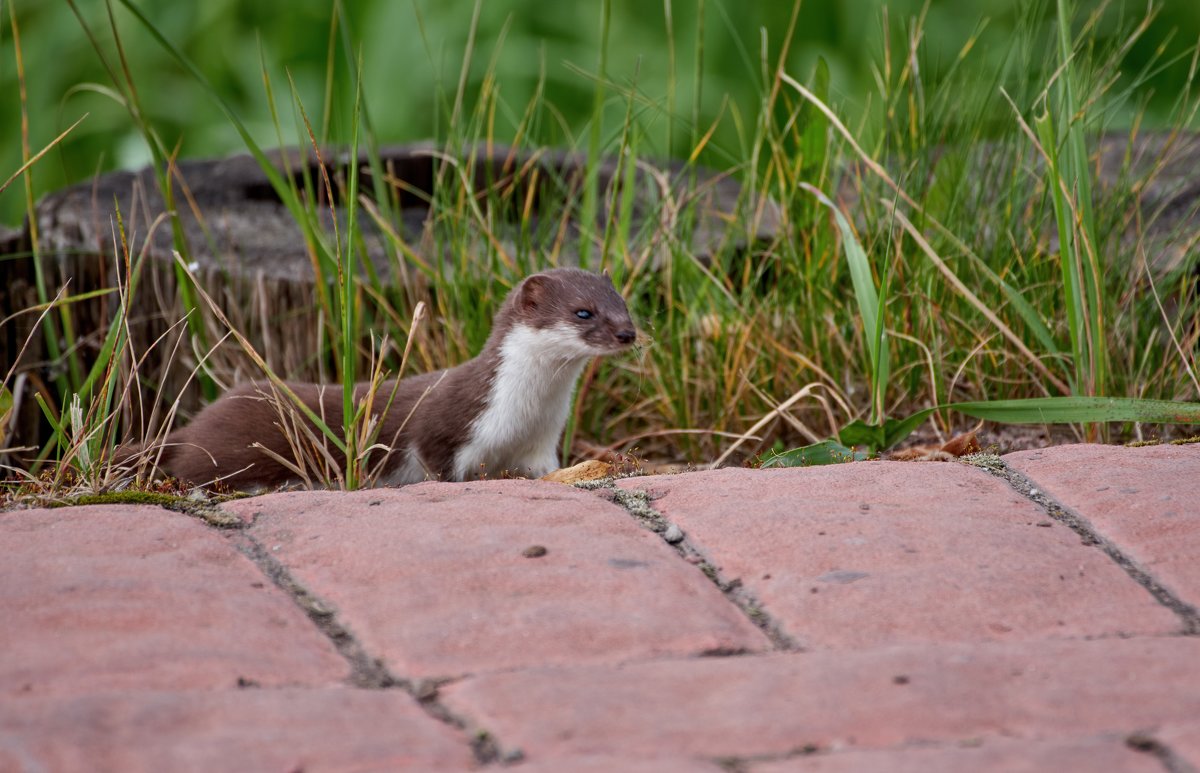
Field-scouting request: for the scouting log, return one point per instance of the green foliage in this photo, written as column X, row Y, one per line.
column 886, row 434
column 413, row 51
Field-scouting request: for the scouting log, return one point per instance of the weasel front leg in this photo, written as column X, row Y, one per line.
column 543, row 464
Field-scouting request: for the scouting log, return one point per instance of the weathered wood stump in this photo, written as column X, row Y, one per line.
column 1147, row 194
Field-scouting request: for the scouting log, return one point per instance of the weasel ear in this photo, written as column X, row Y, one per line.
column 604, row 273
column 533, row 291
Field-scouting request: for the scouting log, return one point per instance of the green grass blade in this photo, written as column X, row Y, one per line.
column 1072, row 297
column 1080, row 410
column 591, row 192
column 1070, row 178
column 814, row 138
column 347, row 273
column 1078, row 177
column 868, row 302
column 60, row 438
column 6, row 406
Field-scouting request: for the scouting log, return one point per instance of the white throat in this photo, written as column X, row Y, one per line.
column 527, row 405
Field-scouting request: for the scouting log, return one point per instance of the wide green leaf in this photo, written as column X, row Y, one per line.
column 880, row 436
column 825, row 452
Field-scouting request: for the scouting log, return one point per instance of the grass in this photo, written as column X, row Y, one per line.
column 948, row 254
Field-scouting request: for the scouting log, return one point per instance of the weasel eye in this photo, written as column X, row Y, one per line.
column 583, row 314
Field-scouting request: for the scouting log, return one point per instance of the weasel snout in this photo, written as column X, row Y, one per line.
column 589, row 313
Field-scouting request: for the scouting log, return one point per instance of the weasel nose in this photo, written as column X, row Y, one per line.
column 626, row 336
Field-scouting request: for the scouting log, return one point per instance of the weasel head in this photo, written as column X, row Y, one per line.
column 580, row 312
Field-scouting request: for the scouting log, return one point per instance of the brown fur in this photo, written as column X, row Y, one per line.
column 219, row 442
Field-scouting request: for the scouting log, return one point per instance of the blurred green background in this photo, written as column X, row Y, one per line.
column 413, row 53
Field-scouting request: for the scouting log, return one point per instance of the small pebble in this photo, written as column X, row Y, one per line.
column 673, row 534
column 425, row 690
column 534, row 551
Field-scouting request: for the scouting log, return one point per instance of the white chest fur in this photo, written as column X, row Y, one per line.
column 527, row 405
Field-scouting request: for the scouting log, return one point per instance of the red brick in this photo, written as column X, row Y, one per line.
column 993, row 756
column 1146, row 500
column 227, row 730
column 114, row 597
column 433, row 577
column 1182, row 739
column 774, row 704
column 881, row 553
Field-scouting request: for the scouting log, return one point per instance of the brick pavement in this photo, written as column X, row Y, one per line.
column 1035, row 613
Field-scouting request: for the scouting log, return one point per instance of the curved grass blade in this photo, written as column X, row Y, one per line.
column 870, row 307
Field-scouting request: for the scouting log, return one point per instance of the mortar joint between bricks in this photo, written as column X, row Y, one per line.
column 636, row 502
column 1188, row 615
column 367, row 672
column 1146, row 743
column 741, row 764
column 206, row 511
column 486, row 748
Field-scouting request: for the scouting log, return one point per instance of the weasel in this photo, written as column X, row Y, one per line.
column 500, row 413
